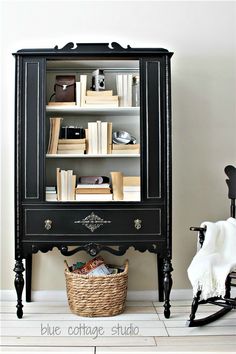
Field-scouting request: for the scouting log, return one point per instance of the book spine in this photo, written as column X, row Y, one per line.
column 99, row 136
column 109, row 137
column 58, row 184
column 125, row 89
column 104, row 138
column 63, row 185
column 129, row 89
column 117, row 185
column 78, row 94
column 83, row 86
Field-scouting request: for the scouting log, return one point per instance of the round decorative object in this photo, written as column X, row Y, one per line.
column 122, row 137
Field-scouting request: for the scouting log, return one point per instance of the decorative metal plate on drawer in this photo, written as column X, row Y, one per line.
column 92, row 222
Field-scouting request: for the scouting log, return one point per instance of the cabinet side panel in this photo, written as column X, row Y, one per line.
column 153, row 134
column 33, row 117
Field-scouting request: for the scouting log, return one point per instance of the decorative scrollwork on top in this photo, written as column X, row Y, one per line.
column 92, row 47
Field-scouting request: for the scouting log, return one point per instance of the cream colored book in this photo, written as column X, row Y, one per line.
column 101, row 105
column 104, row 145
column 71, row 152
column 131, row 181
column 126, row 152
column 61, row 103
column 55, row 124
column 99, row 93
column 71, row 147
column 125, row 146
column 109, row 137
column 101, row 99
column 71, row 141
column 83, row 86
column 117, row 185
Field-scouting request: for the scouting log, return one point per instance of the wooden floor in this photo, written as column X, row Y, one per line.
column 142, row 328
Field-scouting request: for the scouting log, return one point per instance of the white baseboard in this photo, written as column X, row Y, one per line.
column 60, row 295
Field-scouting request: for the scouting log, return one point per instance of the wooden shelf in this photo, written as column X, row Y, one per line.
column 87, row 156
column 130, row 111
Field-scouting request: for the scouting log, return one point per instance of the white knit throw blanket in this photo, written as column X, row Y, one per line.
column 217, row 257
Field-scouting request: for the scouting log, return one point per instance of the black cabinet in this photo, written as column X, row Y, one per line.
column 141, row 216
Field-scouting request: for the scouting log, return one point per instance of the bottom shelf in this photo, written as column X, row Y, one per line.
column 127, row 197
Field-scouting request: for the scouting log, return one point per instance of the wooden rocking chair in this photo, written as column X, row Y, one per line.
column 227, row 303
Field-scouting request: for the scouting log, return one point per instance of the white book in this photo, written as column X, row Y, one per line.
column 83, row 87
column 92, row 138
column 99, row 136
column 51, row 197
column 131, row 196
column 50, row 189
column 131, row 188
column 125, row 89
column 70, row 152
column 69, row 185
column 101, row 105
column 94, row 197
column 63, row 185
column 89, row 137
column 102, row 185
column 78, row 94
column 104, row 138
column 129, row 90
column 119, row 87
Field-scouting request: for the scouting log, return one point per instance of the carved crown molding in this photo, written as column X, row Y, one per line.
column 93, row 49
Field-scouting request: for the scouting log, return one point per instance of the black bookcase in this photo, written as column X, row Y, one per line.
column 143, row 223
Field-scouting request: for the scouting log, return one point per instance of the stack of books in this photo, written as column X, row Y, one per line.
column 101, row 99
column 51, row 194
column 71, row 146
column 66, row 183
column 93, row 192
column 99, row 137
column 124, row 89
column 125, row 148
column 55, row 124
column 131, row 188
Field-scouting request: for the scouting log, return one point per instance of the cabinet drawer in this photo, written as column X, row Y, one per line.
column 62, row 222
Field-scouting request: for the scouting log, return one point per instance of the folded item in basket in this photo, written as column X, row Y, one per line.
column 95, row 266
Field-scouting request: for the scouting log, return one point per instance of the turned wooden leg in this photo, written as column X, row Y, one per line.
column 194, row 306
column 160, row 278
column 167, row 269
column 227, row 288
column 28, row 277
column 19, row 285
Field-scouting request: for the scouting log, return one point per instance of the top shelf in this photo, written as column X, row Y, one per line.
column 92, row 64
column 128, row 111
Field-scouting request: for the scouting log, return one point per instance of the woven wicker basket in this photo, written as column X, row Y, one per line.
column 93, row 296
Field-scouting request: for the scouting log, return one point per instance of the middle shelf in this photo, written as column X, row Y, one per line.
column 86, row 156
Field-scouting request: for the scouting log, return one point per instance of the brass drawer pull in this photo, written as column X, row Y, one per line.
column 48, row 224
column 138, row 224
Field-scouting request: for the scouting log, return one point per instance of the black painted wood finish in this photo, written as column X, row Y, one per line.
column 41, row 225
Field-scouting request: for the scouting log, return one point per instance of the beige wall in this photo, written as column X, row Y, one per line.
column 202, row 35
